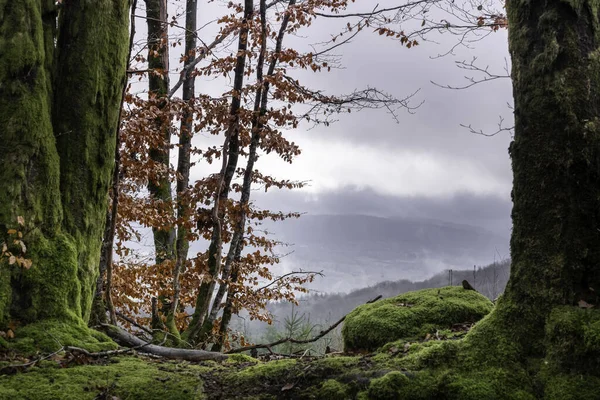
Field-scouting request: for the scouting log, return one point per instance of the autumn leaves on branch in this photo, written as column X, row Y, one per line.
column 218, row 141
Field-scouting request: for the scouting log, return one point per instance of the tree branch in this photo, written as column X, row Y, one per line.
column 129, row 340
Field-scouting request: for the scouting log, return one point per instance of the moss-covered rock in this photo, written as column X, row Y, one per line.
column 411, row 314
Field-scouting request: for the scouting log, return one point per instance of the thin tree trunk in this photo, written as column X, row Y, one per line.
column 59, row 107
column 237, row 245
column 159, row 186
column 183, row 164
column 158, row 88
column 230, row 157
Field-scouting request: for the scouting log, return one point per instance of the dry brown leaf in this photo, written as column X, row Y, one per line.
column 27, row 263
column 287, row 386
column 584, row 304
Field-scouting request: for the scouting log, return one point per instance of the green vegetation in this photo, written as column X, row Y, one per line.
column 126, row 378
column 445, row 366
column 49, row 335
column 412, row 314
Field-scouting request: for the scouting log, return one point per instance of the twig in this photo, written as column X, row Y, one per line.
column 16, row 367
column 132, row 322
column 282, row 277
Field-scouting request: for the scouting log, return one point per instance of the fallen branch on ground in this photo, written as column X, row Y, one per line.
column 11, row 369
column 268, row 346
column 128, row 340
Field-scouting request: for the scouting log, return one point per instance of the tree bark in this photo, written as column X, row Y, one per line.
column 555, row 158
column 231, row 271
column 60, row 95
column 230, row 154
column 158, row 88
column 102, row 298
column 183, row 163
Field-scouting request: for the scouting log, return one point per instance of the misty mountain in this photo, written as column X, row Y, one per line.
column 355, row 251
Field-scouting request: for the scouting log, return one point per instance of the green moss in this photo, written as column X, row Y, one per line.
column 405, row 386
column 49, row 335
column 389, row 386
column 573, row 341
column 332, row 390
column 371, row 326
column 85, row 124
column 336, row 364
column 127, row 379
column 240, row 359
column 572, row 387
column 30, row 178
column 432, row 354
column 486, row 383
column 271, row 371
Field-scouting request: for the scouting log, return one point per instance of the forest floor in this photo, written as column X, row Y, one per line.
column 418, row 345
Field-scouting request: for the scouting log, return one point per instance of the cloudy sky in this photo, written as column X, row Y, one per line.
column 422, row 165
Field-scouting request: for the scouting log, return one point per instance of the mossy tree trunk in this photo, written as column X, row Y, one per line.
column 159, row 185
column 60, row 93
column 158, row 88
column 555, row 245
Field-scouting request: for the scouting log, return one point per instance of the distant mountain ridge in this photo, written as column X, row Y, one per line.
column 355, row 251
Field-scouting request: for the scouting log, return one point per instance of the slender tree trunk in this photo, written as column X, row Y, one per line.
column 183, row 164
column 158, row 88
column 236, row 245
column 159, row 185
column 59, row 109
column 231, row 154
column 555, row 250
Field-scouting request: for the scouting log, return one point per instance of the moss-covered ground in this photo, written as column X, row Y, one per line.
column 120, row 377
column 442, row 362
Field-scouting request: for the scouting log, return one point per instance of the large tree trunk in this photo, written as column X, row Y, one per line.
column 103, row 296
column 555, row 245
column 60, row 94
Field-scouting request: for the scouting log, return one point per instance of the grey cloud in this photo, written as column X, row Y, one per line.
column 487, row 211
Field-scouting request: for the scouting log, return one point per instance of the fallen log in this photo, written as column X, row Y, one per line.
column 128, row 340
